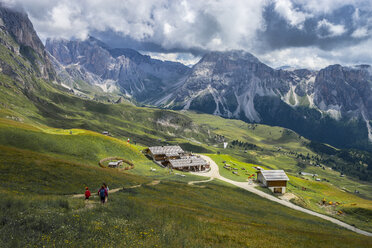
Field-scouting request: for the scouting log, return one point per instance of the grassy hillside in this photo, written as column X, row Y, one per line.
column 27, row 173
column 274, row 147
column 77, row 145
column 35, row 211
column 310, row 193
column 278, row 148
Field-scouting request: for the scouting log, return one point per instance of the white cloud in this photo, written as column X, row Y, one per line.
column 297, row 57
column 315, row 58
column 294, row 16
column 360, row 32
column 184, row 58
column 327, row 29
column 320, row 7
column 169, row 23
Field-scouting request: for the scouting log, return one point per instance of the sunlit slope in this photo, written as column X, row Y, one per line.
column 278, row 148
column 75, row 144
column 36, row 204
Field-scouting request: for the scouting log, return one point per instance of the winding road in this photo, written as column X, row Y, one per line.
column 215, row 174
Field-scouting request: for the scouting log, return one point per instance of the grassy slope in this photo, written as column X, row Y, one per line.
column 358, row 207
column 110, row 117
column 242, row 175
column 269, row 140
column 82, row 146
column 167, row 214
column 34, row 213
column 26, row 172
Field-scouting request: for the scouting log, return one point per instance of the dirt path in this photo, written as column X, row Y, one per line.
column 89, row 204
column 93, row 195
column 214, row 173
column 204, row 181
column 111, row 191
column 155, row 182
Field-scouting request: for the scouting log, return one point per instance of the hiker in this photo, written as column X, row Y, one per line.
column 87, row 193
column 102, row 192
column 107, row 190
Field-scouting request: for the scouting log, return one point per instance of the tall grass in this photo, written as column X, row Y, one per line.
column 169, row 214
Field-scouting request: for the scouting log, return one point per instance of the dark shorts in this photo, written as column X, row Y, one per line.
column 102, row 199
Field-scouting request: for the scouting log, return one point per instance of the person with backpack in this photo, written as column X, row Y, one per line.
column 107, row 190
column 102, row 193
column 87, row 193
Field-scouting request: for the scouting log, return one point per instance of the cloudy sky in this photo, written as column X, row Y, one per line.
column 298, row 33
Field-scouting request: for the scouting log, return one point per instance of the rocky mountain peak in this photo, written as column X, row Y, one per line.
column 20, row 28
column 232, row 55
column 121, row 69
column 344, row 91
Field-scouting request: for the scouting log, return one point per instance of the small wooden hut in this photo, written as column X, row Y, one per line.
column 275, row 180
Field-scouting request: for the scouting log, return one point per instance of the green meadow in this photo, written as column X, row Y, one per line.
column 42, row 166
column 279, row 148
column 243, row 169
column 37, row 210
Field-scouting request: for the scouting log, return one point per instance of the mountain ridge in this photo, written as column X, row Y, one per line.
column 125, row 71
column 21, row 29
column 231, row 84
column 240, row 87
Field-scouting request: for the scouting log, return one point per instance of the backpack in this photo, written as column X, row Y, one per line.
column 102, row 192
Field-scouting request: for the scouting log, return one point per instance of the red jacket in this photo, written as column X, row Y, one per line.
column 87, row 193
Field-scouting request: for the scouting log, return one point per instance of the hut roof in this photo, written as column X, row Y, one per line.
column 115, row 162
column 166, row 150
column 186, row 162
column 274, row 175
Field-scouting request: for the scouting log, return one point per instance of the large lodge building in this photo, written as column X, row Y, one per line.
column 176, row 158
column 163, row 153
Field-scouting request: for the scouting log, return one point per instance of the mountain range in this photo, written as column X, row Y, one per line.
column 332, row 105
column 123, row 71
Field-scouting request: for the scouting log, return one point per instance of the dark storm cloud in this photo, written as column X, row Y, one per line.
column 315, row 31
column 116, row 40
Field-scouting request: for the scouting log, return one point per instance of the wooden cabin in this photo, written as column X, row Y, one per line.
column 275, row 180
column 192, row 163
column 163, row 153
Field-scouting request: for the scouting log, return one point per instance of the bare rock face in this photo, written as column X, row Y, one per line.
column 320, row 105
column 21, row 29
column 125, row 70
column 345, row 89
column 231, row 80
